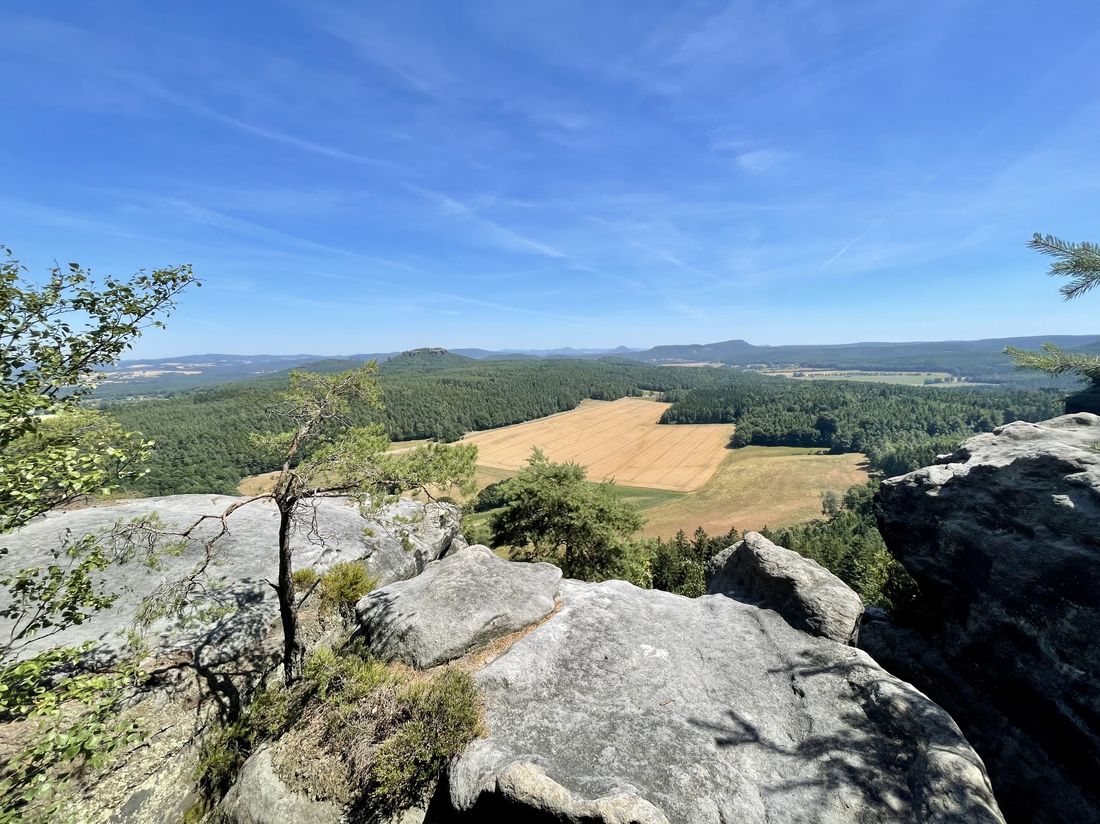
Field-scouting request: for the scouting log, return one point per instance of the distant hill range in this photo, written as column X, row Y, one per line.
column 976, row 360
column 831, row 355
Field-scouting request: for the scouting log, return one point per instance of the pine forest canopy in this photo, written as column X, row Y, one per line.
column 202, row 442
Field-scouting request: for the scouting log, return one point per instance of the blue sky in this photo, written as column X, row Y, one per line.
column 352, row 177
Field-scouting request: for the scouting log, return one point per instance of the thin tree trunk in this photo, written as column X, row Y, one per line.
column 293, row 652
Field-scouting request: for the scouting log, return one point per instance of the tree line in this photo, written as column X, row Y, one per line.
column 899, row 428
column 202, row 437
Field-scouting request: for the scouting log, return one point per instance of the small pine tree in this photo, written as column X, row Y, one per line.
column 553, row 513
column 1081, row 263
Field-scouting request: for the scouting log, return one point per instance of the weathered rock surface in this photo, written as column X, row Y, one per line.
column 260, row 796
column 630, row 705
column 801, row 590
column 1003, row 538
column 467, row 599
column 398, row 544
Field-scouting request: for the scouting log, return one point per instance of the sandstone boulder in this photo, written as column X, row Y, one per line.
column 801, row 590
column 467, row 599
column 632, row 705
column 260, row 796
column 1003, row 539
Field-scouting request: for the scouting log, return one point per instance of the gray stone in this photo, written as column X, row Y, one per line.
column 1003, row 539
column 467, row 599
column 397, row 544
column 260, row 796
column 632, row 705
column 801, row 590
column 457, row 543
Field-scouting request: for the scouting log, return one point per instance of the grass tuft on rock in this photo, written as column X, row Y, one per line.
column 439, row 717
column 222, row 754
column 303, row 579
column 342, row 585
column 378, row 735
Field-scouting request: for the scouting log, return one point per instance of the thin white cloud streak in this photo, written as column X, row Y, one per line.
column 502, row 235
column 1047, row 79
column 507, row 238
column 661, row 254
column 219, row 220
column 759, row 161
column 408, row 306
column 75, row 220
column 501, row 307
column 158, row 92
column 416, row 67
column 844, row 249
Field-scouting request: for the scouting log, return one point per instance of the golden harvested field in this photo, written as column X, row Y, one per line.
column 257, row 484
column 620, row 440
column 680, row 476
column 758, row 486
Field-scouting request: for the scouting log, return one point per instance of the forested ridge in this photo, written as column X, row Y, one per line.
column 203, row 437
column 898, row 427
column 978, row 360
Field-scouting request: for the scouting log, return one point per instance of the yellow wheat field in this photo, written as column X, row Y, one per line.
column 620, row 440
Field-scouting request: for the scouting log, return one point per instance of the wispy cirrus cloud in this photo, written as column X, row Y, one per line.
column 158, row 92
column 489, row 230
column 674, row 169
column 758, row 161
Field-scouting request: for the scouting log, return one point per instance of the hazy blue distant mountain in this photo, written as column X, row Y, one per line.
column 978, row 360
column 739, row 351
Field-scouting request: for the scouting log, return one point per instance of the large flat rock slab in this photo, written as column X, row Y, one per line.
column 397, row 544
column 632, row 705
column 457, row 604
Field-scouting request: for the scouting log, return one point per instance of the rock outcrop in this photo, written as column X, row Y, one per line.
column 801, row 590
column 605, row 703
column 468, row 599
column 260, row 796
column 155, row 784
column 1003, row 539
column 1085, row 400
column 397, row 544
column 631, row 705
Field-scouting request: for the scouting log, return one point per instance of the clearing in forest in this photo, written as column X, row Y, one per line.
column 620, row 440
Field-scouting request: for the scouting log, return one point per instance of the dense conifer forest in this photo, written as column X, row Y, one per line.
column 203, row 439
column 203, row 444
column 898, row 427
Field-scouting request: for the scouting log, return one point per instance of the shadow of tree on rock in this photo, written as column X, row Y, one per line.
column 894, row 750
